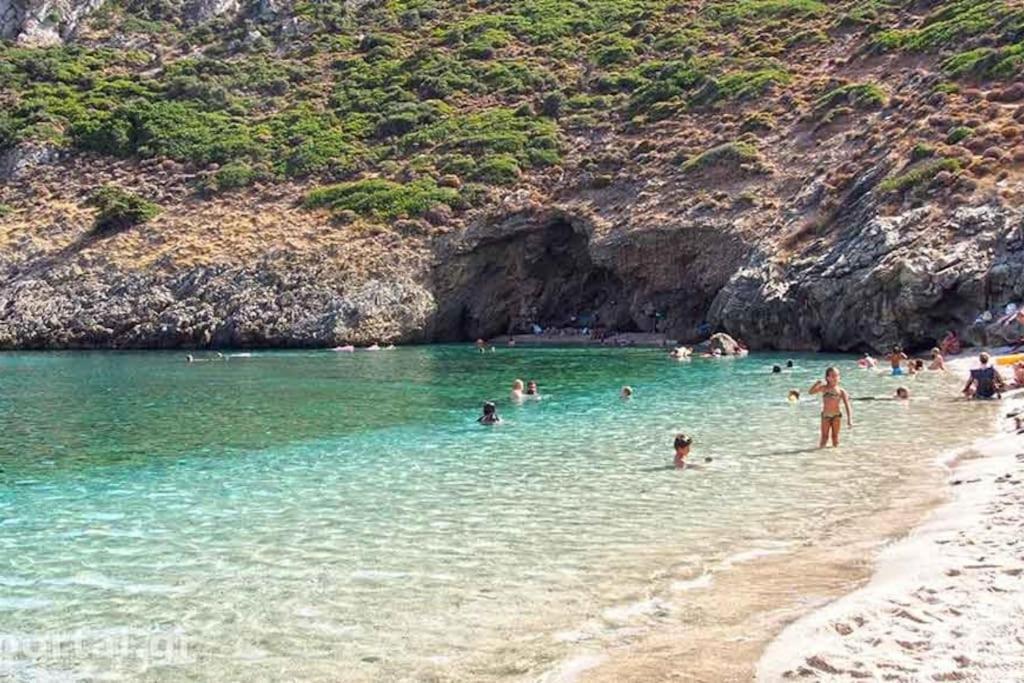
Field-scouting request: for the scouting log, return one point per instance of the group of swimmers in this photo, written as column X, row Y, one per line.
column 520, row 392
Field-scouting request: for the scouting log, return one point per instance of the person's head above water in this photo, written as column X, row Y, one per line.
column 936, row 352
column 776, row 369
column 517, row 385
column 794, row 395
column 789, row 363
column 682, row 445
column 531, row 387
column 627, row 392
column 490, row 408
column 902, row 393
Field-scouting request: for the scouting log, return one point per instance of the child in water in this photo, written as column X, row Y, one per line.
column 682, row 446
column 794, row 396
column 626, row 393
column 490, row 416
column 833, row 398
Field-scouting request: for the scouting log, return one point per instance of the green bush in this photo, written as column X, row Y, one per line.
column 5, row 210
column 119, row 209
column 918, row 175
column 501, row 169
column 234, row 176
column 381, row 199
column 731, row 153
column 958, row 134
column 862, row 96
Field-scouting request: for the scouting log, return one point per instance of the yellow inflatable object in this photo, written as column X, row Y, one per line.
column 1010, row 360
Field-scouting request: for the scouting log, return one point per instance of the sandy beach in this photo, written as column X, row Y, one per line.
column 946, row 602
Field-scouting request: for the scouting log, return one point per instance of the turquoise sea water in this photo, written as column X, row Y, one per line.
column 313, row 515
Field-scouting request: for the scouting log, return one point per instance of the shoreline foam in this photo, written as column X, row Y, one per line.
column 944, row 603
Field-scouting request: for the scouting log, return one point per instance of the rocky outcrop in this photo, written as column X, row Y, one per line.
column 564, row 266
column 879, row 281
column 261, row 306
column 43, row 22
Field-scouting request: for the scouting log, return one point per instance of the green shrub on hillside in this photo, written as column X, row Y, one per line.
column 918, row 175
column 862, row 96
column 958, row 134
column 731, row 153
column 119, row 209
column 382, row 199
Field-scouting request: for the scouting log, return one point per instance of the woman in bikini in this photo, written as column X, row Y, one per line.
column 833, row 398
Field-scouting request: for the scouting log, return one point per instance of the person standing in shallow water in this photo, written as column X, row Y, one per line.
column 833, row 399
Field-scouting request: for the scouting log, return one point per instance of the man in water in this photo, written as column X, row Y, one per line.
column 985, row 381
column 490, row 416
column 902, row 394
column 531, row 389
column 895, row 359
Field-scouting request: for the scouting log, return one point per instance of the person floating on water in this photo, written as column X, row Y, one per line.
column 626, row 393
column 517, row 390
column 833, row 398
column 985, row 381
column 896, row 358
column 490, row 416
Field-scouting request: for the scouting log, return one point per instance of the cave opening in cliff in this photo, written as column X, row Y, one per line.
column 545, row 277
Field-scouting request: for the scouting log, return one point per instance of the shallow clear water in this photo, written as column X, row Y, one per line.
column 342, row 516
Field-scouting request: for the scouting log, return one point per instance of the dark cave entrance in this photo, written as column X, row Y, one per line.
column 544, row 276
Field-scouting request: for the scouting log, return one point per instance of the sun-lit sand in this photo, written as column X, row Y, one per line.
column 946, row 603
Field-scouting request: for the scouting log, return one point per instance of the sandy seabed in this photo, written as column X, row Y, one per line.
column 945, row 604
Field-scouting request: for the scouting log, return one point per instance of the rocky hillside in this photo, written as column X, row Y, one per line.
column 801, row 174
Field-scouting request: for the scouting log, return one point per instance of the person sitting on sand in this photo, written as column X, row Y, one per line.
column 938, row 362
column 895, row 359
column 985, row 381
column 490, row 416
column 902, row 393
column 950, row 344
column 517, row 390
column 793, row 396
column 626, row 393
column 833, row 398
column 531, row 389
column 1018, row 374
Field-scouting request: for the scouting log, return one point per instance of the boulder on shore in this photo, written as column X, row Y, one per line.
column 724, row 344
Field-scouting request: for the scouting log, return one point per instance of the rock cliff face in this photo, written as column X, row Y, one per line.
column 797, row 174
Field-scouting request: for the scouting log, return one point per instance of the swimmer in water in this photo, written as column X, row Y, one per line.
column 789, row 364
column 902, row 394
column 490, row 416
column 794, row 396
column 938, row 362
column 517, row 390
column 776, row 369
column 626, row 393
column 833, row 399
column 682, row 446
column 531, row 389
column 190, row 358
